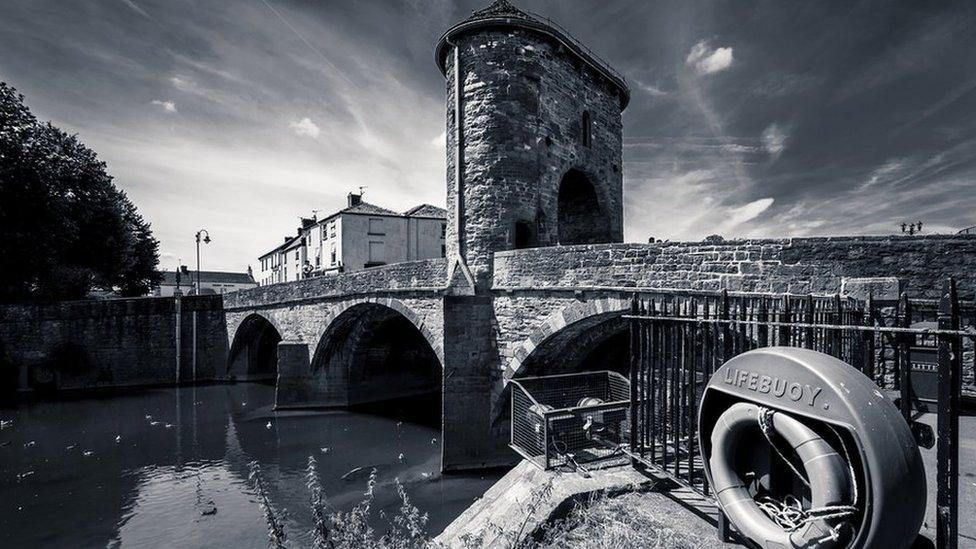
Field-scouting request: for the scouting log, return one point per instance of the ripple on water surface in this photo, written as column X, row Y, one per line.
column 168, row 467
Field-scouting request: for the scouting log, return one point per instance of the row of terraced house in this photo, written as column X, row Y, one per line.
column 359, row 236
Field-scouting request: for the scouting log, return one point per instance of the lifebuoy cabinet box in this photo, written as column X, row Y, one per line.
column 924, row 358
column 845, row 410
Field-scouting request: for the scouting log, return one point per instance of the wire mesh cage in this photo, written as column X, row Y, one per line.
column 570, row 419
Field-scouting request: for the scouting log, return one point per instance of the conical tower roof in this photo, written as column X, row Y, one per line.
column 503, row 14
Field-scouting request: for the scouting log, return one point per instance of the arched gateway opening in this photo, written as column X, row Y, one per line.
column 372, row 354
column 581, row 219
column 254, row 352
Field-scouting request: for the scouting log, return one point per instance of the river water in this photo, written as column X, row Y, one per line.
column 169, row 468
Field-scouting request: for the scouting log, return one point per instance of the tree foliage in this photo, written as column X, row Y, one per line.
column 65, row 228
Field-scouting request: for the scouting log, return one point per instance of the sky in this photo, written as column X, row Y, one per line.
column 747, row 119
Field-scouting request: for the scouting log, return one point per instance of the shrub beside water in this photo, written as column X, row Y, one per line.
column 602, row 522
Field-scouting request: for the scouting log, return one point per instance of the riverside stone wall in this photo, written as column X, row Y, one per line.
column 111, row 343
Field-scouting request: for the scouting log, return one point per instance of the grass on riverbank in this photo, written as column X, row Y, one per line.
column 630, row 520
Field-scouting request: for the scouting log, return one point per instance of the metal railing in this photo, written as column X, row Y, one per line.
column 577, row 43
column 678, row 342
column 570, row 419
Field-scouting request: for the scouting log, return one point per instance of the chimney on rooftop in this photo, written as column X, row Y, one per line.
column 354, row 199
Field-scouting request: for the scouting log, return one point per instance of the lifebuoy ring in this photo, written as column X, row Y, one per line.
column 826, row 470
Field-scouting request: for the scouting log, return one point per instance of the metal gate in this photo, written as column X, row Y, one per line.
column 678, row 341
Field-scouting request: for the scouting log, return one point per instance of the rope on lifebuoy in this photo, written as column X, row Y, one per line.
column 789, row 514
column 772, row 523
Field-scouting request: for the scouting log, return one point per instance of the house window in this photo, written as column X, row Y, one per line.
column 333, row 254
column 443, row 250
column 586, row 127
column 296, row 255
column 375, row 226
column 443, row 230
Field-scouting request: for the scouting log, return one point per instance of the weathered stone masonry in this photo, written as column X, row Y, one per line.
column 92, row 344
column 792, row 265
column 520, row 120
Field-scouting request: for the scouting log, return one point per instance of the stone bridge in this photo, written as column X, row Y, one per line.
column 420, row 328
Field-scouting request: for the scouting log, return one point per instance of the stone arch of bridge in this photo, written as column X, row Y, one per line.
column 253, row 352
column 584, row 336
column 573, row 339
column 376, row 350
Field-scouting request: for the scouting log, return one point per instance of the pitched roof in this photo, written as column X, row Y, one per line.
column 169, row 278
column 367, row 208
column 426, row 210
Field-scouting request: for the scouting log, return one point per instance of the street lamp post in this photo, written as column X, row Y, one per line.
column 206, row 240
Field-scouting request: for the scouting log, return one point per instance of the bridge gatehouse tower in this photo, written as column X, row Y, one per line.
column 533, row 138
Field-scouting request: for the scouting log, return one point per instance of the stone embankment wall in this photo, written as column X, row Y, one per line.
column 797, row 265
column 111, row 343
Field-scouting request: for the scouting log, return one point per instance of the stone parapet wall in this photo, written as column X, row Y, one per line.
column 798, row 265
column 424, row 275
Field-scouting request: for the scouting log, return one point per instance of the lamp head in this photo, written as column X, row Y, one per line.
column 206, row 239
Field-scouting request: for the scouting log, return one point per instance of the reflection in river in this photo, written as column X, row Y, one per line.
column 148, row 469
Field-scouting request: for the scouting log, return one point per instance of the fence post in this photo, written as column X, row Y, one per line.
column 808, row 332
column 785, row 319
column 904, row 362
column 947, row 457
column 634, row 352
column 763, row 326
column 726, row 328
column 869, row 338
column 837, row 339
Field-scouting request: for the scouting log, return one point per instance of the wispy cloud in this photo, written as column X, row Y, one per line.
column 884, row 172
column 132, row 5
column 440, row 141
column 306, row 127
column 706, row 60
column 167, row 106
column 747, row 212
column 650, row 89
column 774, row 139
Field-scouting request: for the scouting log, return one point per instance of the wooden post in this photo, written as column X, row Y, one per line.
column 947, row 457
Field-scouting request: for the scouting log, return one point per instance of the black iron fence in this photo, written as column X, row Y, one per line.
column 912, row 349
